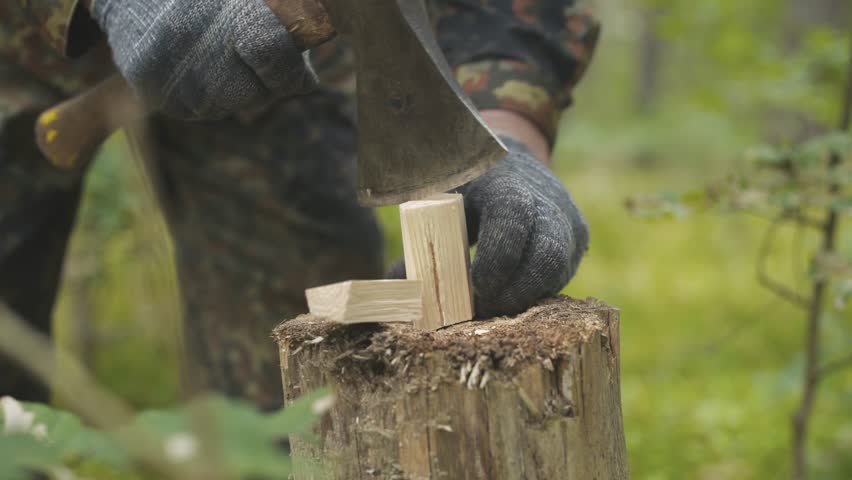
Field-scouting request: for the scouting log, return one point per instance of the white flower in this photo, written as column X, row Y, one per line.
column 181, row 447
column 62, row 473
column 15, row 418
column 322, row 405
column 39, row 431
column 18, row 420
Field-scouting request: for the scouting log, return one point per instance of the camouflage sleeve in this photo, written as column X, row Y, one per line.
column 519, row 55
column 63, row 24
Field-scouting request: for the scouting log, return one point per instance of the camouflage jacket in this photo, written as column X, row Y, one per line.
column 521, row 55
column 51, row 40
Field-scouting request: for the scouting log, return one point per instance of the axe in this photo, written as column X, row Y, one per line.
column 418, row 132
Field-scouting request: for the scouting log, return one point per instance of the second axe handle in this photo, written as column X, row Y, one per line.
column 73, row 129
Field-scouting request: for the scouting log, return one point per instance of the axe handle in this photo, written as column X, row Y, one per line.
column 306, row 20
column 71, row 130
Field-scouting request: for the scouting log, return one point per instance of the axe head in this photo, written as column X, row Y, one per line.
column 418, row 132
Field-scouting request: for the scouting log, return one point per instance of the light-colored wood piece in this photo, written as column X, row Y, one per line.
column 434, row 239
column 367, row 301
column 535, row 397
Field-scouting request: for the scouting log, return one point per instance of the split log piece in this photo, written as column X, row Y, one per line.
column 435, row 245
column 373, row 301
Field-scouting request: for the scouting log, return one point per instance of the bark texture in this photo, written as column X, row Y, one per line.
column 531, row 397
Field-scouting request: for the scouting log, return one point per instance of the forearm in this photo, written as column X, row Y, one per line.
column 520, row 128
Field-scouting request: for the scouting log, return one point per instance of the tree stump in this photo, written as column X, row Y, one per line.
column 531, row 397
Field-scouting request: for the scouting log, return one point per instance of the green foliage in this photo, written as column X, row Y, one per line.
column 730, row 74
column 797, row 183
column 751, row 58
column 242, row 442
column 19, row 452
column 65, row 442
column 798, row 180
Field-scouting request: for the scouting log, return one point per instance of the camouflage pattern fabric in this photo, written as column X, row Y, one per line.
column 52, row 18
column 520, row 55
column 260, row 208
column 260, row 205
column 33, row 36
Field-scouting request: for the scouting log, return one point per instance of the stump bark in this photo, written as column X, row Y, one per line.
column 531, row 397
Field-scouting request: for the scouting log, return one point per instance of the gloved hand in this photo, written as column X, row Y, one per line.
column 203, row 59
column 530, row 234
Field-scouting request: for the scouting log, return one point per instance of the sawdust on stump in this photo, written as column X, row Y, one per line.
column 549, row 330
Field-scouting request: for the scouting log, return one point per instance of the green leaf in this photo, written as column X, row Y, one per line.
column 767, row 156
column 75, row 441
column 253, row 440
column 22, row 452
column 842, row 205
column 834, row 142
column 66, row 442
column 842, row 294
column 693, row 198
column 246, row 441
column 785, row 200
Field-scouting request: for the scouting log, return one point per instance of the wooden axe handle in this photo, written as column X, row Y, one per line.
column 71, row 130
column 306, row 20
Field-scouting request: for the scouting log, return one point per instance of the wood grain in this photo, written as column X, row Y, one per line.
column 536, row 397
column 435, row 245
column 367, row 301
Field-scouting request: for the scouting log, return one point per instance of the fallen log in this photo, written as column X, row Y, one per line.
column 531, row 397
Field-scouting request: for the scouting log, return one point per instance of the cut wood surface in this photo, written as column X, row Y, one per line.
column 434, row 239
column 367, row 301
column 534, row 397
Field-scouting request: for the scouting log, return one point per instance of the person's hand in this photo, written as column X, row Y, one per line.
column 203, row 59
column 530, row 235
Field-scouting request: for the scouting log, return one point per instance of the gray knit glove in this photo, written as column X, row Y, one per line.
column 531, row 236
column 200, row 59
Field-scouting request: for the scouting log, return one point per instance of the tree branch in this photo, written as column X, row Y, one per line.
column 763, row 277
column 834, row 366
column 813, row 372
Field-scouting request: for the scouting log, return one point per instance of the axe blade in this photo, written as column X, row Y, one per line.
column 418, row 132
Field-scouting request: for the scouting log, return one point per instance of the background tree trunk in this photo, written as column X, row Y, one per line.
column 650, row 57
